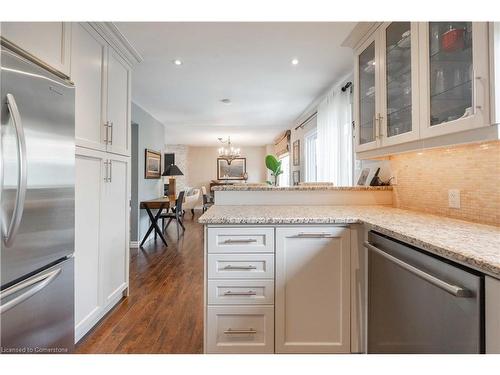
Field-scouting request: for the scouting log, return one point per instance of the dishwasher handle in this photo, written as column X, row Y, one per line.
column 450, row 288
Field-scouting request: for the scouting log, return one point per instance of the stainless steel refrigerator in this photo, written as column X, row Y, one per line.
column 37, row 150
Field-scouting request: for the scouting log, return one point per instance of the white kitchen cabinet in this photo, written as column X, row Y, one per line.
column 492, row 326
column 102, row 195
column 366, row 102
column 114, row 227
column 118, row 104
column 241, row 240
column 88, row 56
column 416, row 84
column 454, row 76
column 103, row 82
column 47, row 41
column 240, row 329
column 387, row 87
column 89, row 174
column 312, row 301
column 398, row 116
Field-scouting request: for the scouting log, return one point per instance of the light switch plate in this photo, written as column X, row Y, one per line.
column 454, row 198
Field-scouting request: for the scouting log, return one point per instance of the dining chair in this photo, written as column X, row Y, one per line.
column 207, row 201
column 176, row 215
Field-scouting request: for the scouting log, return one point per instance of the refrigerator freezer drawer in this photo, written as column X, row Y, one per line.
column 37, row 314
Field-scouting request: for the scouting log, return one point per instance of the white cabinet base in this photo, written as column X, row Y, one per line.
column 240, row 329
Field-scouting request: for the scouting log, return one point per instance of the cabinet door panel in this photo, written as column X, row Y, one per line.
column 455, row 77
column 118, row 104
column 48, row 41
column 399, row 76
column 88, row 191
column 366, row 88
column 87, row 59
column 312, row 290
column 240, row 329
column 114, row 235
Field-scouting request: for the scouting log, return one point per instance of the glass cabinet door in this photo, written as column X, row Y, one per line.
column 398, row 79
column 367, row 93
column 451, row 71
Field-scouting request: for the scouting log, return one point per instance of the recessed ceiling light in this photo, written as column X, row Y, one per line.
column 177, row 62
column 226, row 101
column 295, row 61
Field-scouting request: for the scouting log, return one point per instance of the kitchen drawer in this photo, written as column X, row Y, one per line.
column 240, row 329
column 241, row 292
column 240, row 240
column 240, row 266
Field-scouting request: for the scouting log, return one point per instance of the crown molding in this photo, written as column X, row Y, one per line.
column 360, row 32
column 118, row 41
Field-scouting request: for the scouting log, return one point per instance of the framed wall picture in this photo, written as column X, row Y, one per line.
column 296, row 153
column 296, row 177
column 152, row 164
column 234, row 171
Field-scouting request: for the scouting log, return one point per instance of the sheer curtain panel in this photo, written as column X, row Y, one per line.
column 335, row 154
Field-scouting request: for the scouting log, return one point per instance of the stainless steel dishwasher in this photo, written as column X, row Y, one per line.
column 421, row 303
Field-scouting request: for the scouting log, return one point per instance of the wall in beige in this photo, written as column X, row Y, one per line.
column 202, row 164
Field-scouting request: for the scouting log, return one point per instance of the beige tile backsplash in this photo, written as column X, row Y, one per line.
column 423, row 180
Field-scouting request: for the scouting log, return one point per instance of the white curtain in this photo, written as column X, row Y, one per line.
column 334, row 155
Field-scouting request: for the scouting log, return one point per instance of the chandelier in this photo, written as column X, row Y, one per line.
column 228, row 153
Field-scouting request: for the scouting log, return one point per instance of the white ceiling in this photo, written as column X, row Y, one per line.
column 249, row 63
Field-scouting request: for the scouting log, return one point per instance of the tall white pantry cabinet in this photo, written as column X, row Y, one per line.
column 98, row 60
column 102, row 78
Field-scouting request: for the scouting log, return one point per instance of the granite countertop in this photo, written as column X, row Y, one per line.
column 475, row 245
column 250, row 187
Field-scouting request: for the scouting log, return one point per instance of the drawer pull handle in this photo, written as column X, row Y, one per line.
column 230, row 267
column 231, row 331
column 246, row 240
column 314, row 235
column 249, row 293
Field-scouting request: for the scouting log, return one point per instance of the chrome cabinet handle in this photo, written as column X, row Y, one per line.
column 452, row 289
column 111, row 127
column 106, row 134
column 247, row 240
column 379, row 122
column 22, row 176
column 230, row 267
column 231, row 331
column 40, row 281
column 249, row 293
column 105, row 171
column 313, row 235
column 475, row 106
column 110, row 163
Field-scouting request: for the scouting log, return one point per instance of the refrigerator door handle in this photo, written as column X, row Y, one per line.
column 40, row 282
column 10, row 233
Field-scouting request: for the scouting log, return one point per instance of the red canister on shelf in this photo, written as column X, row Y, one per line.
column 453, row 40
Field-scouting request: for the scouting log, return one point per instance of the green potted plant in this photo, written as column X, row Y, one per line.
column 274, row 165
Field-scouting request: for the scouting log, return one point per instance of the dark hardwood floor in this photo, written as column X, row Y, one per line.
column 164, row 312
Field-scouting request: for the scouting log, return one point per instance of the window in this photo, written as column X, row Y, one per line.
column 311, row 149
column 284, row 178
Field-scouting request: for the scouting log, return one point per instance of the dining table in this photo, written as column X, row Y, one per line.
column 160, row 204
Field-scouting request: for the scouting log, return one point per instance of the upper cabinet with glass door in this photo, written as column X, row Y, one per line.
column 398, row 115
column 455, row 77
column 365, row 89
